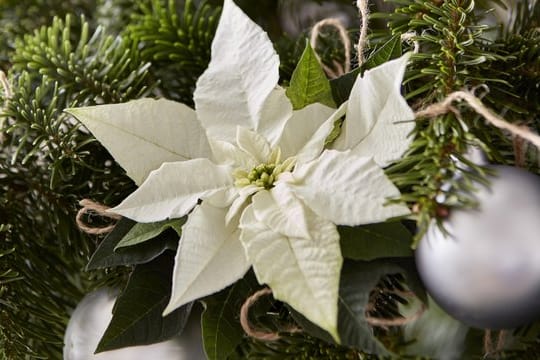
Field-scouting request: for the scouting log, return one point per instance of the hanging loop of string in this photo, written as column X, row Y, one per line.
column 90, row 207
column 249, row 329
column 492, row 350
column 340, row 69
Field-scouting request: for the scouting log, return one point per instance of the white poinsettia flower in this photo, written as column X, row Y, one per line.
column 253, row 175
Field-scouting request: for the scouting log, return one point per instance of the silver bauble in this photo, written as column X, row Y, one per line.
column 486, row 271
column 92, row 316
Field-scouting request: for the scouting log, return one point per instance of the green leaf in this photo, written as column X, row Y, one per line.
column 137, row 314
column 382, row 240
column 309, row 83
column 388, row 51
column 142, row 232
column 342, row 86
column 221, row 328
column 105, row 255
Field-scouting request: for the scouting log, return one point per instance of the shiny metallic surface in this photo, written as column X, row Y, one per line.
column 486, row 271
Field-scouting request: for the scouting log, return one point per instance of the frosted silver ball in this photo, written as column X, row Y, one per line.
column 486, row 272
column 92, row 316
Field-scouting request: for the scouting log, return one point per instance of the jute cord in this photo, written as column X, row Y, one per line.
column 474, row 102
column 90, row 207
column 257, row 333
column 363, row 8
column 490, row 349
column 346, row 41
column 400, row 321
column 8, row 94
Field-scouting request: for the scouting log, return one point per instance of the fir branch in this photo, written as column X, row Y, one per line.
column 90, row 69
column 177, row 41
column 453, row 55
column 47, row 164
column 20, row 17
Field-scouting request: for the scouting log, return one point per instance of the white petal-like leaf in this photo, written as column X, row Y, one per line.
column 281, row 211
column 210, row 256
column 276, row 111
column 240, row 202
column 346, row 189
column 226, row 153
column 301, row 127
column 253, row 144
column 315, row 145
column 378, row 118
column 174, row 189
column 301, row 272
column 242, row 73
column 143, row 134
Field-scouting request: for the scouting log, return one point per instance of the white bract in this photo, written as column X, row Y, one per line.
column 253, row 175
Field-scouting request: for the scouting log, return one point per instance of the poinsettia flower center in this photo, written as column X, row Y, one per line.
column 264, row 175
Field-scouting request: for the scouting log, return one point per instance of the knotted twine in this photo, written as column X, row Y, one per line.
column 8, row 94
column 90, row 208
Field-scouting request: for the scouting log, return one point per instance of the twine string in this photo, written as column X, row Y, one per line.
column 363, row 8
column 90, row 207
column 341, row 69
column 398, row 321
column 8, row 93
column 246, row 324
column 490, row 349
column 476, row 104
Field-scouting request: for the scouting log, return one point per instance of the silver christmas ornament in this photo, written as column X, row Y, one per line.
column 92, row 316
column 486, row 271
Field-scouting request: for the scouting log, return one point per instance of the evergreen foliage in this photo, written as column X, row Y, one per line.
column 48, row 164
column 61, row 54
column 177, row 40
column 454, row 54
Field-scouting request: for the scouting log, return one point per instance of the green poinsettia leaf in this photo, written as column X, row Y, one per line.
column 142, row 232
column 221, row 328
column 309, row 83
column 382, row 240
column 388, row 51
column 137, row 314
column 342, row 86
column 106, row 256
